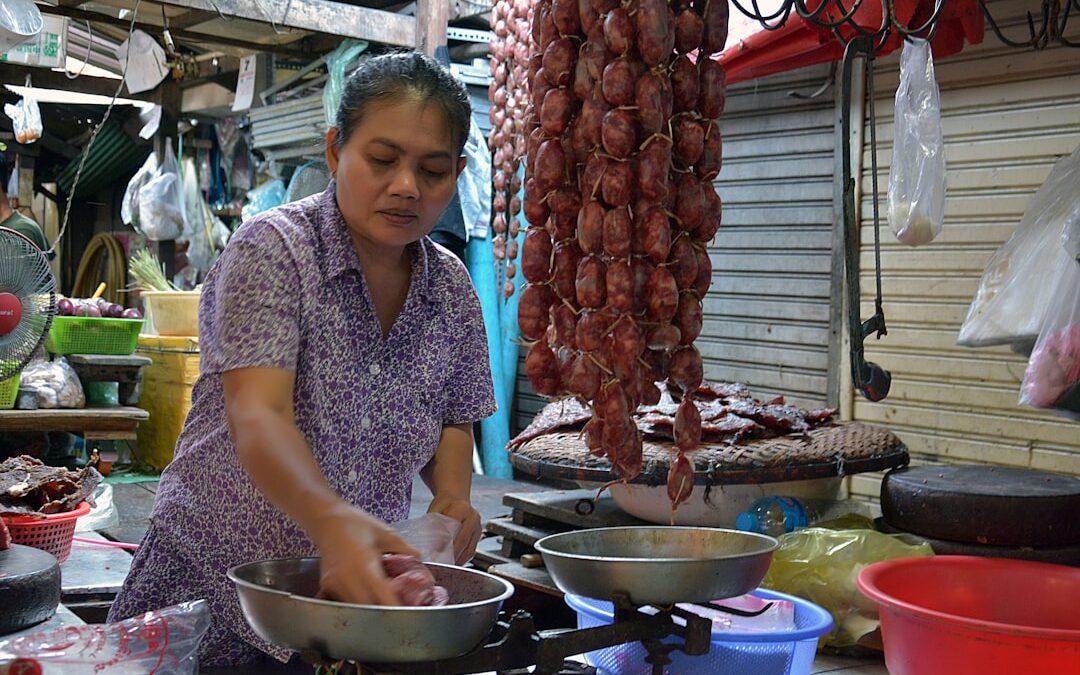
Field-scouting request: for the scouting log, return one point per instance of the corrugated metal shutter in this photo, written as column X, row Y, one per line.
column 767, row 313
column 1008, row 115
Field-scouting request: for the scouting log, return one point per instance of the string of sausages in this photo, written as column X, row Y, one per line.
column 623, row 146
column 509, row 95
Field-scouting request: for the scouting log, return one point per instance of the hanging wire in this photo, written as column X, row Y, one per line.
column 874, row 180
column 89, row 51
column 832, row 15
column 94, row 135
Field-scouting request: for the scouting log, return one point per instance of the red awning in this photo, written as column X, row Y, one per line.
column 799, row 43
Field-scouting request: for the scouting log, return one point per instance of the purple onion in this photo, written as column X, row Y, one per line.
column 131, row 313
column 65, row 307
column 93, row 311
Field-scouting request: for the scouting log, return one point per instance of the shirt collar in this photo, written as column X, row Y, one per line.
column 340, row 255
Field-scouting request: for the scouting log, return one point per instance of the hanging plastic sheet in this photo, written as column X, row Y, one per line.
column 337, row 63
column 500, row 319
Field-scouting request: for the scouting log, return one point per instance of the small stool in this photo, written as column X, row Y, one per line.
column 127, row 371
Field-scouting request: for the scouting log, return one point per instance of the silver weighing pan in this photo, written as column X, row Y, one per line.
column 277, row 598
column 657, row 565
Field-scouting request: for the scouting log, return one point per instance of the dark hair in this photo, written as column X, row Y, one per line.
column 408, row 75
column 5, row 172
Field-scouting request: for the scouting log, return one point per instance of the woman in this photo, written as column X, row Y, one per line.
column 342, row 353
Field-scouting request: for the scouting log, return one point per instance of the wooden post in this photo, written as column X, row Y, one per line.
column 431, row 19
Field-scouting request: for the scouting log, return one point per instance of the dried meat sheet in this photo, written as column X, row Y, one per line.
column 30, row 487
column 560, row 414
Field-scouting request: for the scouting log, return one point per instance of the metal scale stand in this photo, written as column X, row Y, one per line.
column 515, row 645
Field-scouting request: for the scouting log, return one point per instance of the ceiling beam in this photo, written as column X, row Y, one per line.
column 189, row 19
column 51, row 79
column 319, row 16
column 180, row 35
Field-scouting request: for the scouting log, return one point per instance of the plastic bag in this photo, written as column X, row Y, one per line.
column 163, row 642
column 20, row 20
column 56, row 383
column 1013, row 295
column 821, row 565
column 917, row 176
column 161, row 201
column 265, row 197
column 474, row 184
column 337, row 62
column 104, row 515
column 25, row 119
column 1053, row 371
column 432, row 534
column 129, row 207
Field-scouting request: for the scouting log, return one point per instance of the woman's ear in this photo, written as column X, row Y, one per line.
column 461, row 163
column 332, row 150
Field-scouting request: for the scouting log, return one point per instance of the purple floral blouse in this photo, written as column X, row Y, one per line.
column 288, row 292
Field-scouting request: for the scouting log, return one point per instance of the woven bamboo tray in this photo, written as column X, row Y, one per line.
column 840, row 449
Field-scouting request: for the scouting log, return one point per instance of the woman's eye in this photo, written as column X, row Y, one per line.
column 436, row 173
column 382, row 161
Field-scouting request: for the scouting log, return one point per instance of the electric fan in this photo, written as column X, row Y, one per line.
column 27, row 301
column 308, row 179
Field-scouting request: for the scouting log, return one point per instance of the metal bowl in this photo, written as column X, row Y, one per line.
column 277, row 598
column 657, row 565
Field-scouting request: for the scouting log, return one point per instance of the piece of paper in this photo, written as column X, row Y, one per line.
column 245, row 84
column 146, row 68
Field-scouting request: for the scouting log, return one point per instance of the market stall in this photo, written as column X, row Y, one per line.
column 645, row 511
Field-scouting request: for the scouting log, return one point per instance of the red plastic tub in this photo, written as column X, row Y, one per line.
column 965, row 615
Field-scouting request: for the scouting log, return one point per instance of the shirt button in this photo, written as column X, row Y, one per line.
column 374, row 369
column 365, row 423
column 353, row 475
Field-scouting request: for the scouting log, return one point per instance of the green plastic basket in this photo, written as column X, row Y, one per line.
column 9, row 391
column 89, row 335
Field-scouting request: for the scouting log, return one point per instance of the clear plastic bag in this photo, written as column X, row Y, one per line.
column 917, row 176
column 56, row 384
column 161, row 201
column 129, row 207
column 1014, row 291
column 104, row 515
column 822, row 564
column 163, row 642
column 1052, row 378
column 432, row 534
column 25, row 119
column 265, row 197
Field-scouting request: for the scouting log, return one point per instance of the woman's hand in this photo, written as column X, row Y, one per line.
column 469, row 535
column 351, row 544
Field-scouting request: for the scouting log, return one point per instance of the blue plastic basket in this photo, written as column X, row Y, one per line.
column 731, row 653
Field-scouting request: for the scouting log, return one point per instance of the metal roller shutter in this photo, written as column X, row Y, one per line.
column 1008, row 115
column 767, row 313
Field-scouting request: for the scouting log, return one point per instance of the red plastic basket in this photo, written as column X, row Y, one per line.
column 53, row 533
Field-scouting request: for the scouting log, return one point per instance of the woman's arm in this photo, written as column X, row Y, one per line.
column 279, row 461
column 449, row 477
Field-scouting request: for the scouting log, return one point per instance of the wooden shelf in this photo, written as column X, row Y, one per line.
column 118, row 423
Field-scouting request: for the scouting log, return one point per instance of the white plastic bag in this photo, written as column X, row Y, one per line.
column 474, row 184
column 129, row 207
column 25, row 119
column 163, row 642
column 161, row 201
column 104, row 515
column 917, row 176
column 1014, row 292
column 1053, row 371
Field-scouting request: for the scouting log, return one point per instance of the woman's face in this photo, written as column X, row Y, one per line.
column 396, row 173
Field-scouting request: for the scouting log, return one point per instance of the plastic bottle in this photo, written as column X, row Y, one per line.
column 773, row 515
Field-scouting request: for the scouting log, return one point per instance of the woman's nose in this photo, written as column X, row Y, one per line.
column 404, row 184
